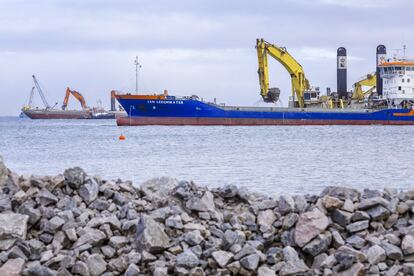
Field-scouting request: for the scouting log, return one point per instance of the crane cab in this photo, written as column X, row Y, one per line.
column 311, row 98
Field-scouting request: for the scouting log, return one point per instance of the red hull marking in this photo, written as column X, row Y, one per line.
column 55, row 116
column 182, row 121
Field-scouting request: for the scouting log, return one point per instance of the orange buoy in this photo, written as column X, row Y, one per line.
column 121, row 137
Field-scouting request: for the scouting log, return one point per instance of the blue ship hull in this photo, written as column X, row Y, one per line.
column 173, row 111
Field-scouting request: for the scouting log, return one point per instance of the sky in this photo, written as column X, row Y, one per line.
column 186, row 46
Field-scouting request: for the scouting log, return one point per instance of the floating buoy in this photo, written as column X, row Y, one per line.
column 121, row 137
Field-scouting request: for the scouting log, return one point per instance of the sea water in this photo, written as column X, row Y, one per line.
column 267, row 159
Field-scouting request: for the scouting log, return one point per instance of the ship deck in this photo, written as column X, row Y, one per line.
column 290, row 109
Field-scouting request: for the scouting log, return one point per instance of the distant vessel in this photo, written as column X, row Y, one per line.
column 55, row 114
column 391, row 104
column 52, row 113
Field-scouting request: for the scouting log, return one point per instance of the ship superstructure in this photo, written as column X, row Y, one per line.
column 398, row 82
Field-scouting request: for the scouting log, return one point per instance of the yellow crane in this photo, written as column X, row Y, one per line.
column 368, row 80
column 299, row 81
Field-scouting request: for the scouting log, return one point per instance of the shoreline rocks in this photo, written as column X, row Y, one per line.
column 78, row 224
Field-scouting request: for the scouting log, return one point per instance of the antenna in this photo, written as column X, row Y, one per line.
column 137, row 66
column 404, row 48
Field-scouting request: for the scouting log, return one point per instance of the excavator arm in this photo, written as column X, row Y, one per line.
column 77, row 96
column 369, row 80
column 299, row 81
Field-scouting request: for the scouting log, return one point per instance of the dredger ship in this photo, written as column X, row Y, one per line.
column 388, row 101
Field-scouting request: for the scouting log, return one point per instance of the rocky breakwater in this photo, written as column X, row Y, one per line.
column 77, row 224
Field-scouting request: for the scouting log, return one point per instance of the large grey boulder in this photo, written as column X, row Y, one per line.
column 341, row 217
column 330, row 202
column 112, row 220
column 341, row 193
column 174, row 221
column 33, row 214
column 203, row 204
column 266, row 218
column 54, row 224
column 371, row 202
column 46, row 197
column 309, row 225
column 38, row 269
column 132, row 270
column 4, row 172
column 222, row 257
column 187, row 259
column 13, row 225
column 393, row 252
column 246, row 250
column 5, row 202
column 319, row 244
column 96, row 264
column 293, row 264
column 378, row 212
column 151, row 236
column 89, row 190
column 376, row 254
column 357, row 226
column 158, row 189
column 74, row 177
column 118, row 242
column 228, row 191
column 355, row 269
column 91, row 236
column 193, row 237
column 407, row 244
column 250, row 262
column 265, row 271
column 13, row 267
column 286, row 204
column 80, row 268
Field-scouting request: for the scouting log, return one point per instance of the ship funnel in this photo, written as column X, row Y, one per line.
column 341, row 71
column 381, row 57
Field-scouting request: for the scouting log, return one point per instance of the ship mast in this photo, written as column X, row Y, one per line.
column 137, row 66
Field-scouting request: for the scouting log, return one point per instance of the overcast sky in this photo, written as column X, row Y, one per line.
column 187, row 47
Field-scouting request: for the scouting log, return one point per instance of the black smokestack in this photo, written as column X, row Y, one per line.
column 341, row 73
column 113, row 108
column 381, row 57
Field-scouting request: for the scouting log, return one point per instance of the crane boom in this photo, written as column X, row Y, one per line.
column 31, row 96
column 369, row 80
column 299, row 81
column 39, row 89
column 77, row 96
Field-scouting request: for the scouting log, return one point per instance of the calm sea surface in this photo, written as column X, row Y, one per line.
column 274, row 160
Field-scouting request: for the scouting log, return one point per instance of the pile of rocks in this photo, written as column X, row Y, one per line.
column 78, row 224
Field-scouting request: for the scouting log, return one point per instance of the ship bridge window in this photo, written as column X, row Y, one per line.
column 408, row 68
column 313, row 95
column 398, row 68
